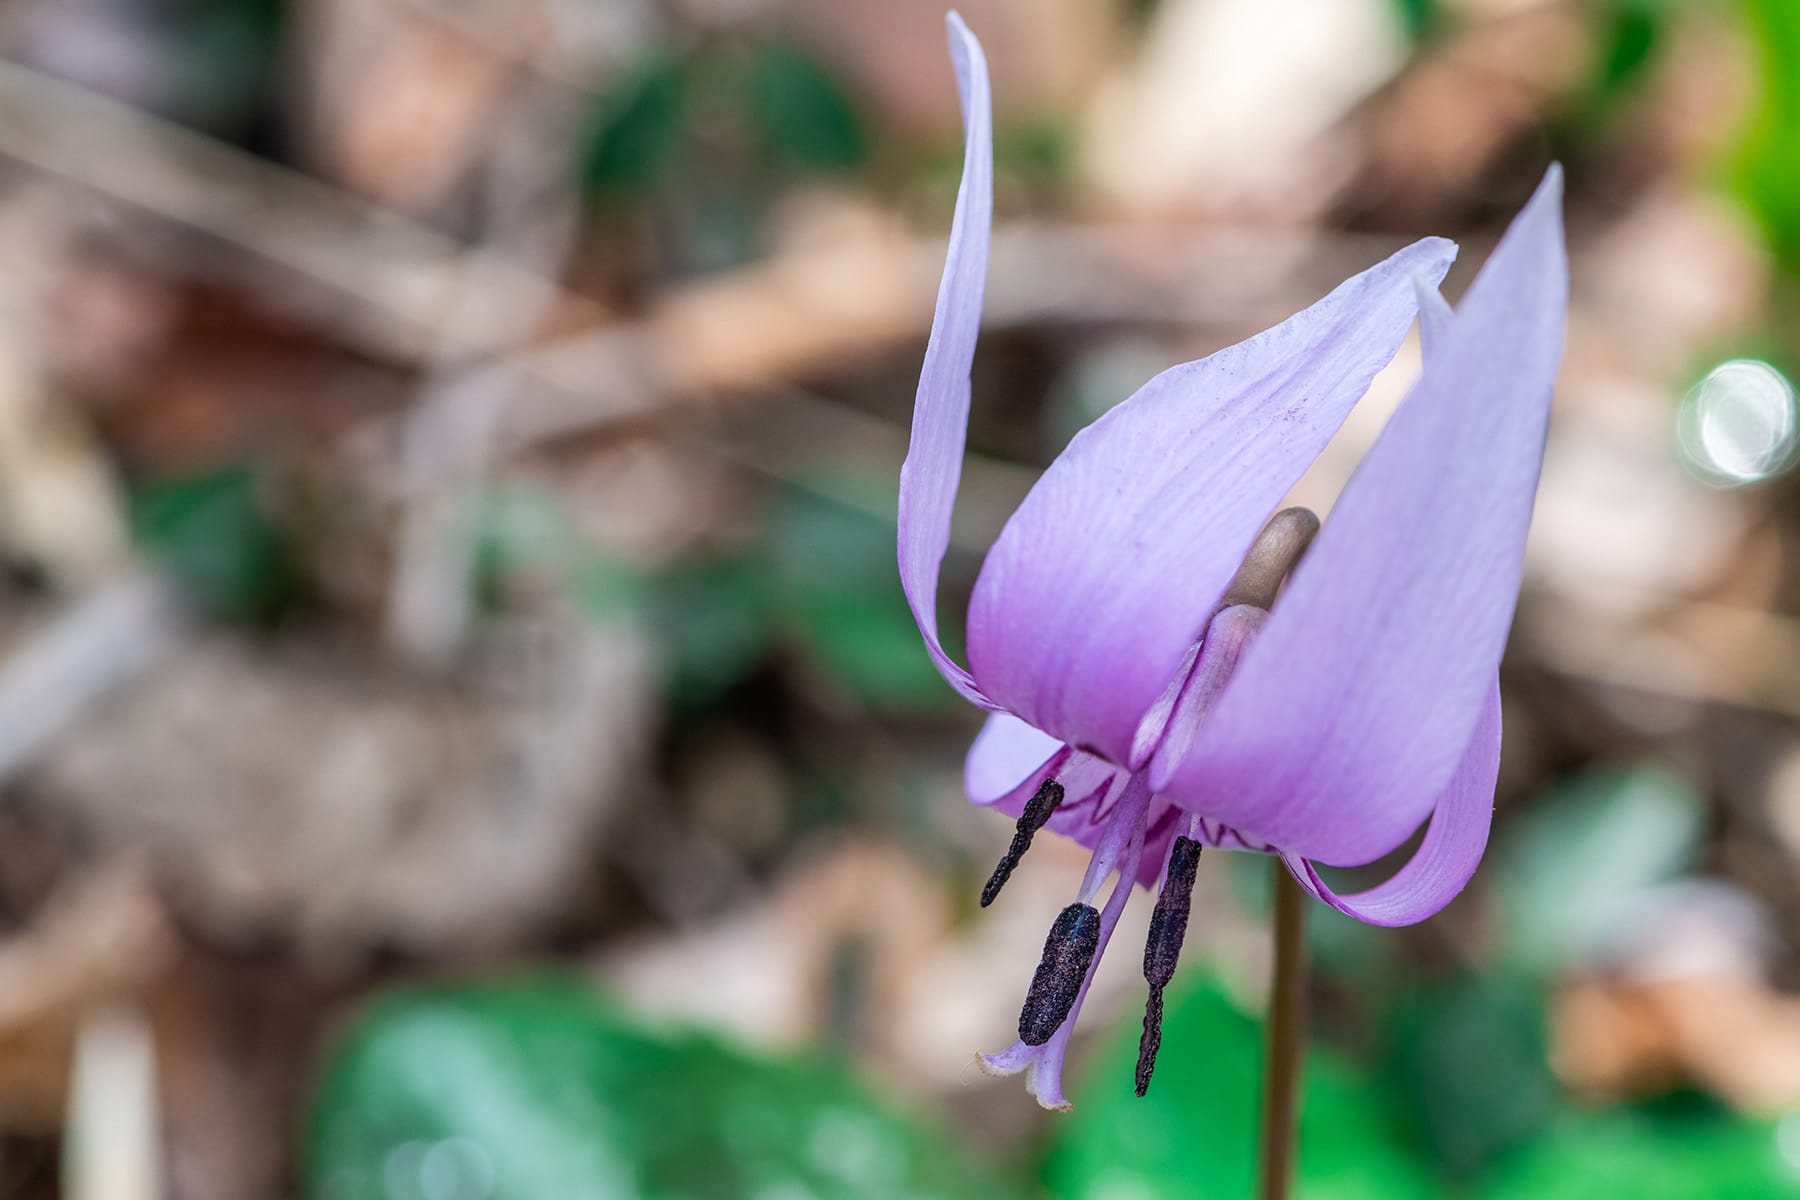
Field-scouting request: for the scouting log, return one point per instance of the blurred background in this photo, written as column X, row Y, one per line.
column 461, row 736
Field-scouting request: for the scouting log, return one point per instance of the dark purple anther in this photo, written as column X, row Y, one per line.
column 1168, row 926
column 1068, row 952
column 1037, row 811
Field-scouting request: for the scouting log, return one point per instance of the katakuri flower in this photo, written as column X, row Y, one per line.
column 1149, row 694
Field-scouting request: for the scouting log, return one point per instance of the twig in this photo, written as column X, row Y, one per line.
column 113, row 1147
column 400, row 276
column 772, row 322
column 449, row 435
column 107, row 638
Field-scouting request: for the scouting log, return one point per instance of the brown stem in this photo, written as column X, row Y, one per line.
column 1285, row 1038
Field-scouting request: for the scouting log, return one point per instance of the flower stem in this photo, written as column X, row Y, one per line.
column 1285, row 1038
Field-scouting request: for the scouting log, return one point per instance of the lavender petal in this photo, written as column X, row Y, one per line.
column 1452, row 847
column 1348, row 716
column 933, row 467
column 1104, row 578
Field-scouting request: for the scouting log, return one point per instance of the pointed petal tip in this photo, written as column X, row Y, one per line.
column 963, row 42
column 1546, row 203
column 1442, row 247
column 1429, row 257
column 933, row 466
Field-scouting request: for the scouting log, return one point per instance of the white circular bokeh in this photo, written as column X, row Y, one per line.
column 1736, row 425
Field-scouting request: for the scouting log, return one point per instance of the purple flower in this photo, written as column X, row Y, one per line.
column 1148, row 694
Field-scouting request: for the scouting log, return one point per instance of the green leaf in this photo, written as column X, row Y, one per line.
column 1573, row 864
column 225, row 54
column 1419, row 19
column 714, row 623
column 539, row 1090
column 1628, row 36
column 212, row 533
column 801, row 112
column 1194, row 1134
column 1468, row 1062
column 1767, row 167
column 1628, row 45
column 1647, row 1157
column 837, row 589
column 637, row 128
column 1038, row 150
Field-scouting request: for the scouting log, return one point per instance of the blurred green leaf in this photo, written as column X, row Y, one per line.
column 710, row 619
column 226, row 54
column 1468, row 1061
column 1419, row 19
column 821, row 578
column 801, row 111
column 1195, row 1134
column 1628, row 43
column 539, row 1090
column 1628, row 36
column 1638, row 1155
column 1039, row 151
column 714, row 623
column 836, row 587
column 211, row 532
column 1577, row 861
column 637, row 128
column 520, row 531
column 1767, row 167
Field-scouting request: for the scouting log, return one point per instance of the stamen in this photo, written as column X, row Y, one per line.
column 1068, row 952
column 1037, row 811
column 1272, row 556
column 1168, row 927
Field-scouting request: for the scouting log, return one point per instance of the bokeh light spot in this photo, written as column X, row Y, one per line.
column 1736, row 425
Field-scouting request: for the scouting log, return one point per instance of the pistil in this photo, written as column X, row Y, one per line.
column 1272, row 558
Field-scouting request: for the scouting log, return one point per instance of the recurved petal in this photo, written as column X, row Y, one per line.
column 1348, row 715
column 1104, row 578
column 933, row 466
column 1452, row 847
column 1005, row 756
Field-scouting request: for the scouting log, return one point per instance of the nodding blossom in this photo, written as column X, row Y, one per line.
column 1169, row 667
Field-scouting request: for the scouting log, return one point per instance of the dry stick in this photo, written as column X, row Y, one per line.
column 389, row 283
column 398, row 276
column 1285, row 1038
column 449, row 441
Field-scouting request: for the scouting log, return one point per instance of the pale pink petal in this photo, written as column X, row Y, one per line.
column 1103, row 580
column 1353, row 707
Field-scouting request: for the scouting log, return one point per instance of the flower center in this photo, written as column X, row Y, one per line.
column 1079, row 936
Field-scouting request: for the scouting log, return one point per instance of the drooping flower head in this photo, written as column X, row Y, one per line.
column 1149, row 694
